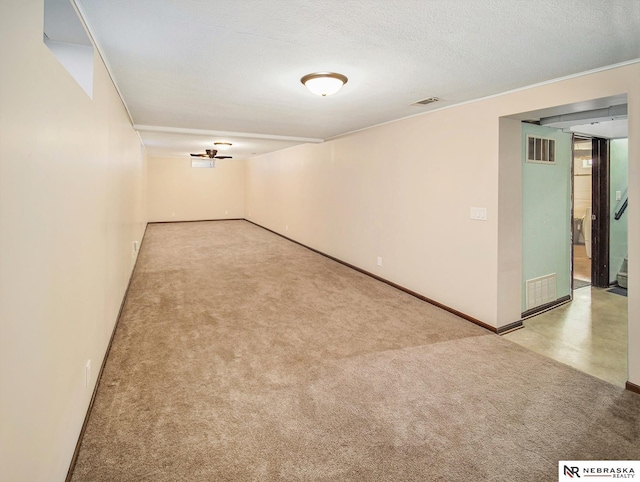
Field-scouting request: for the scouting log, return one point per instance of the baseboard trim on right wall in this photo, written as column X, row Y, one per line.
column 516, row 325
column 632, row 387
column 546, row 307
column 394, row 285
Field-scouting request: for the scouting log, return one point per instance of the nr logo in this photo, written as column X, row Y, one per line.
column 571, row 471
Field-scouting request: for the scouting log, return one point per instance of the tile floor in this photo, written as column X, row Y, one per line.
column 589, row 333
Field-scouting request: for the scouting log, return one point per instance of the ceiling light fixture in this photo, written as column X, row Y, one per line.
column 324, row 83
column 222, row 145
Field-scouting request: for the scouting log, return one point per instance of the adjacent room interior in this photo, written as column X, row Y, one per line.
column 582, row 163
column 576, row 323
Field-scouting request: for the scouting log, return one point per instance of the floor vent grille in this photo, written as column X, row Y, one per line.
column 541, row 291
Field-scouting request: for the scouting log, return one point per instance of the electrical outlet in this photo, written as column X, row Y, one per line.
column 618, row 195
column 379, row 260
column 87, row 373
column 173, row 215
column 286, row 228
column 226, row 212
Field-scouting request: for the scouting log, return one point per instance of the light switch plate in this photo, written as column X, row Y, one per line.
column 479, row 214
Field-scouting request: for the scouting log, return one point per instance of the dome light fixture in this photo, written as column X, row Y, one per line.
column 324, row 83
column 221, row 146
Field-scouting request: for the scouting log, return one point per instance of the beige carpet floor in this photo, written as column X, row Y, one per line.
column 242, row 356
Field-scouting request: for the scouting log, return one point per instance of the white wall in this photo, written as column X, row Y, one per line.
column 77, row 59
column 404, row 190
column 178, row 192
column 72, row 176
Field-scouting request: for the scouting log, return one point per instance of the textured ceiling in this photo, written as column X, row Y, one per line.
column 235, row 65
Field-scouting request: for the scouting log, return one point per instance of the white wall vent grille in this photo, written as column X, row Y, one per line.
column 541, row 291
column 541, row 150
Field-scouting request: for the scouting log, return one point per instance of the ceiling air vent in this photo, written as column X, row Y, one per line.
column 427, row 101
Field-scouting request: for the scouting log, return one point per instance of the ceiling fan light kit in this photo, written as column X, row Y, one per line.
column 324, row 83
column 212, row 154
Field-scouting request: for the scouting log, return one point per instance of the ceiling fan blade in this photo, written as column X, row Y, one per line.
column 224, row 157
column 199, row 155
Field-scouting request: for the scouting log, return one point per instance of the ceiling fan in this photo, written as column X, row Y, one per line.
column 211, row 154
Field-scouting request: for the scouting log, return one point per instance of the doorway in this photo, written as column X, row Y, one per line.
column 591, row 212
column 590, row 331
column 582, row 211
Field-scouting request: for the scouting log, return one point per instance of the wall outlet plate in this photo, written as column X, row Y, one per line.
column 479, row 214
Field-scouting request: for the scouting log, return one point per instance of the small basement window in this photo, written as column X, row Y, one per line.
column 208, row 163
column 541, row 150
column 68, row 41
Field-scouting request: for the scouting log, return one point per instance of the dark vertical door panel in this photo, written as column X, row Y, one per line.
column 600, row 221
